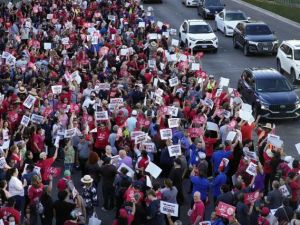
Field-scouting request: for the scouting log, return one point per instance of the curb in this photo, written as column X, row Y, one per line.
column 269, row 13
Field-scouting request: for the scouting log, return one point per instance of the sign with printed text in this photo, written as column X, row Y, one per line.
column 225, row 210
column 130, row 172
column 251, row 197
column 175, row 42
column 47, row 46
column 116, row 100
column 101, row 115
column 173, row 82
column 173, row 122
column 140, row 138
column 195, row 66
column 69, row 133
column 251, row 169
column 212, row 126
column 195, row 132
column 37, row 119
column 134, row 134
column 56, row 89
column 103, row 86
column 249, row 154
column 172, row 111
column 35, row 169
column 153, row 169
column 29, row 101
column 149, row 147
column 231, row 136
column 2, row 162
column 174, row 150
column 169, row 208
column 53, row 171
column 165, row 134
column 25, row 120
column 284, row 190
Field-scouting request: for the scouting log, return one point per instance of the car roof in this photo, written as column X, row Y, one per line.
column 251, row 22
column 264, row 73
column 293, row 43
column 196, row 22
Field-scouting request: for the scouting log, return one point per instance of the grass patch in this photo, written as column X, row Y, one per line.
column 292, row 13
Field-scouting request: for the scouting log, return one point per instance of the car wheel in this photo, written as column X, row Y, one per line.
column 293, row 76
column 279, row 66
column 246, row 50
column 224, row 31
column 234, row 42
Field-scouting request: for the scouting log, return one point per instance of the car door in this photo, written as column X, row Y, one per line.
column 282, row 56
column 221, row 21
column 288, row 59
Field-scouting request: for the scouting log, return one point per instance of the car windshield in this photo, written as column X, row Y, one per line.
column 213, row 3
column 273, row 85
column 235, row 16
column 200, row 29
column 297, row 54
column 258, row 29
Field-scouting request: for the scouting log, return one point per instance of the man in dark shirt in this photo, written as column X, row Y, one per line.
column 225, row 196
column 63, row 208
column 274, row 198
column 108, row 172
column 176, row 177
column 284, row 214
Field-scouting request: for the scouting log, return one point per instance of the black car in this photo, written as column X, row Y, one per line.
column 254, row 37
column 270, row 94
column 209, row 8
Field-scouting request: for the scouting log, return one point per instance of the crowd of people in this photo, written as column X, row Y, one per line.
column 103, row 89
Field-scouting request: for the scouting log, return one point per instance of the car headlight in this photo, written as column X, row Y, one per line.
column 214, row 39
column 192, row 39
column 229, row 27
column 252, row 42
column 207, row 10
column 297, row 104
column 263, row 105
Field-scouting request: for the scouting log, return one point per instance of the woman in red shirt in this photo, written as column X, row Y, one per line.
column 103, row 133
column 37, row 143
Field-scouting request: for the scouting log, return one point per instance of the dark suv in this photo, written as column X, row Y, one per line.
column 254, row 37
column 209, row 8
column 270, row 94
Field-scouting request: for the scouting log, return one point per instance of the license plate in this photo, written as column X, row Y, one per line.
column 265, row 49
column 204, row 46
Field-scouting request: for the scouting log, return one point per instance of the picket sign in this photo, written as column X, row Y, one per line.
column 165, row 134
column 169, row 208
column 153, row 169
column 251, row 169
column 174, row 150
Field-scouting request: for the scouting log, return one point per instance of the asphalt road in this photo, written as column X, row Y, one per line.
column 230, row 62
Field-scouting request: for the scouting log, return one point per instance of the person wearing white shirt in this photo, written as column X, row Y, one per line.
column 89, row 101
column 87, row 92
column 16, row 188
column 131, row 121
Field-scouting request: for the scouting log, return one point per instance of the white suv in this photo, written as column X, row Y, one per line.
column 198, row 35
column 288, row 59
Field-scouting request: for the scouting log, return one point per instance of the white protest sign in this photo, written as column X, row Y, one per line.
column 69, row 133
column 212, row 126
column 183, row 57
column 159, row 92
column 174, row 150
column 140, row 138
column 56, row 142
column 47, row 45
column 49, row 16
column 116, row 100
column 11, row 60
column 275, row 140
column 249, row 154
column 165, row 134
column 169, row 208
column 205, row 223
column 142, row 24
column 246, row 107
column 134, row 134
column 101, row 115
column 5, row 55
column 173, row 111
column 2, row 162
column 173, row 82
column 230, row 136
column 285, row 192
column 75, row 75
column 103, row 86
column 124, row 51
column 148, row 182
column 37, row 119
column 25, row 120
column 173, row 32
column 246, row 115
column 298, row 148
column 155, row 81
column 111, row 17
column 5, row 145
column 251, row 169
column 149, row 147
column 29, row 101
column 130, row 172
column 219, row 92
column 65, row 41
column 195, row 66
column 152, row 36
column 153, row 169
column 175, row 42
column 151, row 63
column 173, row 122
column 166, row 34
column 56, row 89
column 159, row 24
column 224, row 82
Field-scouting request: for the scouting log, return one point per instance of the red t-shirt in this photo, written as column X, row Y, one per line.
column 35, row 193
column 294, row 185
column 39, row 140
column 198, row 210
column 69, row 222
column 130, row 219
column 247, row 131
column 6, row 212
column 102, row 138
column 143, row 163
column 44, row 165
column 133, row 193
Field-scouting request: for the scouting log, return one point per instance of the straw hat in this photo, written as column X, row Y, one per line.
column 43, row 155
column 268, row 126
column 33, row 92
column 87, row 179
column 153, row 44
column 22, row 90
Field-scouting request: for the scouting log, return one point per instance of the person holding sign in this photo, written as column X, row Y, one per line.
column 45, row 163
column 154, row 216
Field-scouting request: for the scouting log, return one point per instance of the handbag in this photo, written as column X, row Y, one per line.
column 94, row 220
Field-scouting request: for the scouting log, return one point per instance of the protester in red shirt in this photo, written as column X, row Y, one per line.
column 103, row 133
column 45, row 163
column 37, row 143
column 9, row 211
column 196, row 214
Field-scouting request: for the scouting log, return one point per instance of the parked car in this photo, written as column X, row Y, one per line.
column 198, row 35
column 189, row 3
column 288, row 59
column 226, row 20
column 270, row 94
column 209, row 8
column 255, row 37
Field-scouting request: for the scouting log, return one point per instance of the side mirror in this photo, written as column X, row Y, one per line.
column 289, row 56
column 248, row 18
